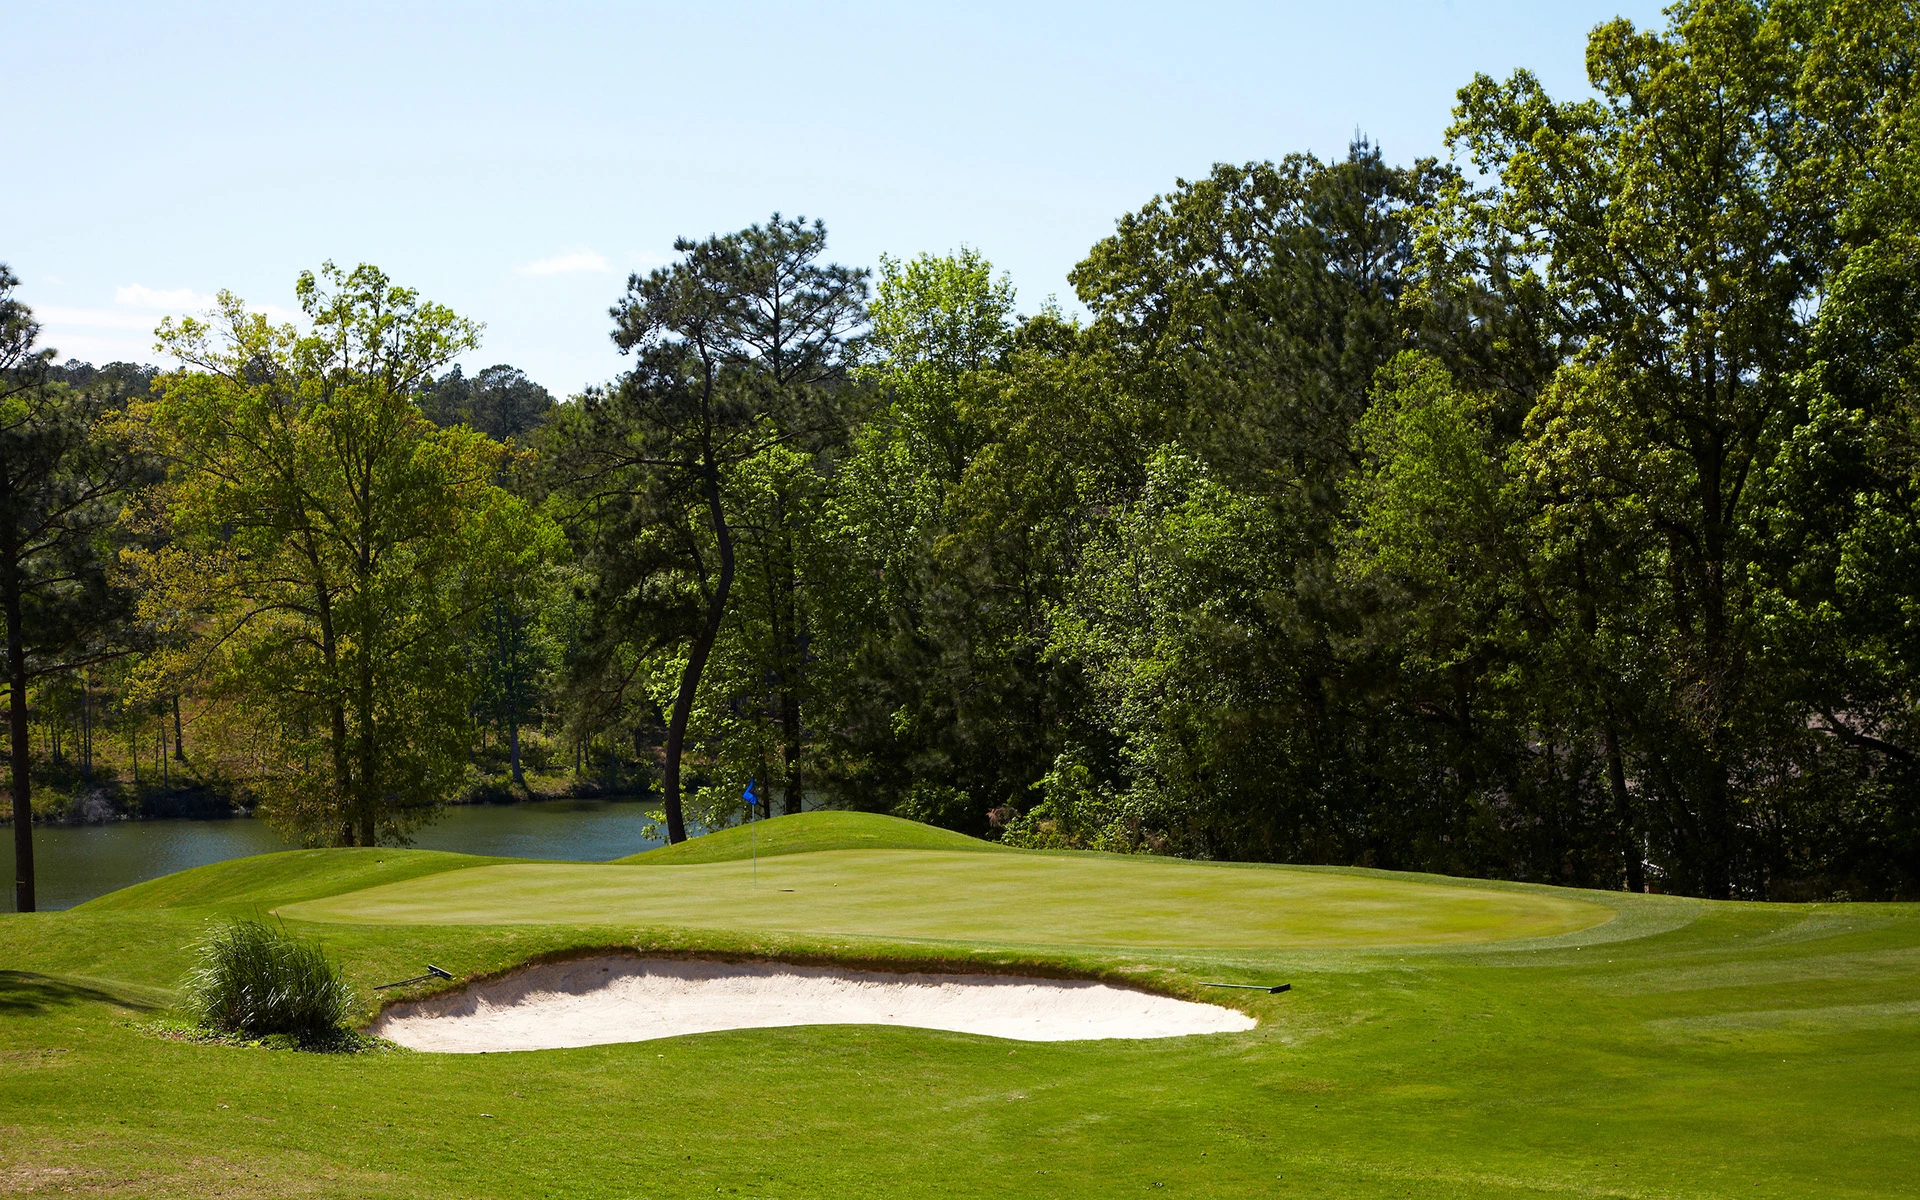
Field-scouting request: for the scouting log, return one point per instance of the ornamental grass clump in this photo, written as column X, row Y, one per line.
column 257, row 980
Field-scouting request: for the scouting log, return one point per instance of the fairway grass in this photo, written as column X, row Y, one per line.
column 1680, row 1049
column 1025, row 899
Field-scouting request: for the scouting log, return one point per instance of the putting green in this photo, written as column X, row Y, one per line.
column 1001, row 897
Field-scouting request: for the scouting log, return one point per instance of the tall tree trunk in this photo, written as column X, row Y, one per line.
column 179, row 747
column 342, row 773
column 696, row 661
column 365, row 810
column 1623, row 808
column 366, row 796
column 336, row 713
column 787, row 646
column 1716, row 812
column 1716, row 865
column 513, row 744
column 790, row 752
column 22, row 750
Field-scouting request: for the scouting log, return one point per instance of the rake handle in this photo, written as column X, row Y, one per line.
column 433, row 972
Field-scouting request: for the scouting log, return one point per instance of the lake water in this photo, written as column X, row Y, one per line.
column 75, row 863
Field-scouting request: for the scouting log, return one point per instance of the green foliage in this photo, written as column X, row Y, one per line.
column 947, row 313
column 257, row 979
column 1681, row 231
column 328, row 550
column 937, row 804
column 517, row 641
column 1167, row 601
column 65, row 462
column 944, row 554
column 500, row 402
column 1555, row 525
column 689, row 480
column 1240, row 321
column 1077, row 812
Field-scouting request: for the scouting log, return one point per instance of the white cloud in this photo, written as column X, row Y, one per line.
column 579, row 263
column 125, row 331
column 101, row 348
column 93, row 318
column 139, row 308
column 135, row 295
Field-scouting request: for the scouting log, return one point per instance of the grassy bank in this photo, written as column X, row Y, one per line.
column 1643, row 1046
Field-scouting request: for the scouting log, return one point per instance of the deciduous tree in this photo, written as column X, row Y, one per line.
column 330, row 546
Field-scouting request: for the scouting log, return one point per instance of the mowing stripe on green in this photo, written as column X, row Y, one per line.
column 1006, row 898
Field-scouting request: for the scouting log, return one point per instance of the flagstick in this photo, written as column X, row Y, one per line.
column 752, row 797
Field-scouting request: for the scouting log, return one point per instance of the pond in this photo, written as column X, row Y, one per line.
column 75, row 863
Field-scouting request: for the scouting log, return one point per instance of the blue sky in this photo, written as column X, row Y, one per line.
column 517, row 161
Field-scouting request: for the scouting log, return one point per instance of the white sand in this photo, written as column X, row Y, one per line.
column 630, row 999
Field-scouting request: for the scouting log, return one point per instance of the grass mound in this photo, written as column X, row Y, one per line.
column 259, row 981
column 244, row 885
column 804, row 833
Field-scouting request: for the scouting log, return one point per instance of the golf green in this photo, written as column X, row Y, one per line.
column 1027, row 899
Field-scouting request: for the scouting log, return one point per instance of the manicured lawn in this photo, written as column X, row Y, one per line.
column 1031, row 899
column 1680, row 1049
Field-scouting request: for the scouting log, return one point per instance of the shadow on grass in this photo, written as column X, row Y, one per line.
column 28, row 993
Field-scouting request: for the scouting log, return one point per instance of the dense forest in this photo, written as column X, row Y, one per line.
column 1550, row 512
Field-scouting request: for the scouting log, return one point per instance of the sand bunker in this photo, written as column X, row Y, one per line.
column 631, row 999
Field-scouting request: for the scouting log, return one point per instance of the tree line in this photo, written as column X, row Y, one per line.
column 1551, row 512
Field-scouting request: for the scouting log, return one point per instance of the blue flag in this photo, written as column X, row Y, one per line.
column 750, row 796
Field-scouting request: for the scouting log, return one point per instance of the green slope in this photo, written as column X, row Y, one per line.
column 804, row 833
column 265, row 880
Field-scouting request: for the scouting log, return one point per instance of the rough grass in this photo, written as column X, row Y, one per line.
column 1683, row 1049
column 256, row 979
